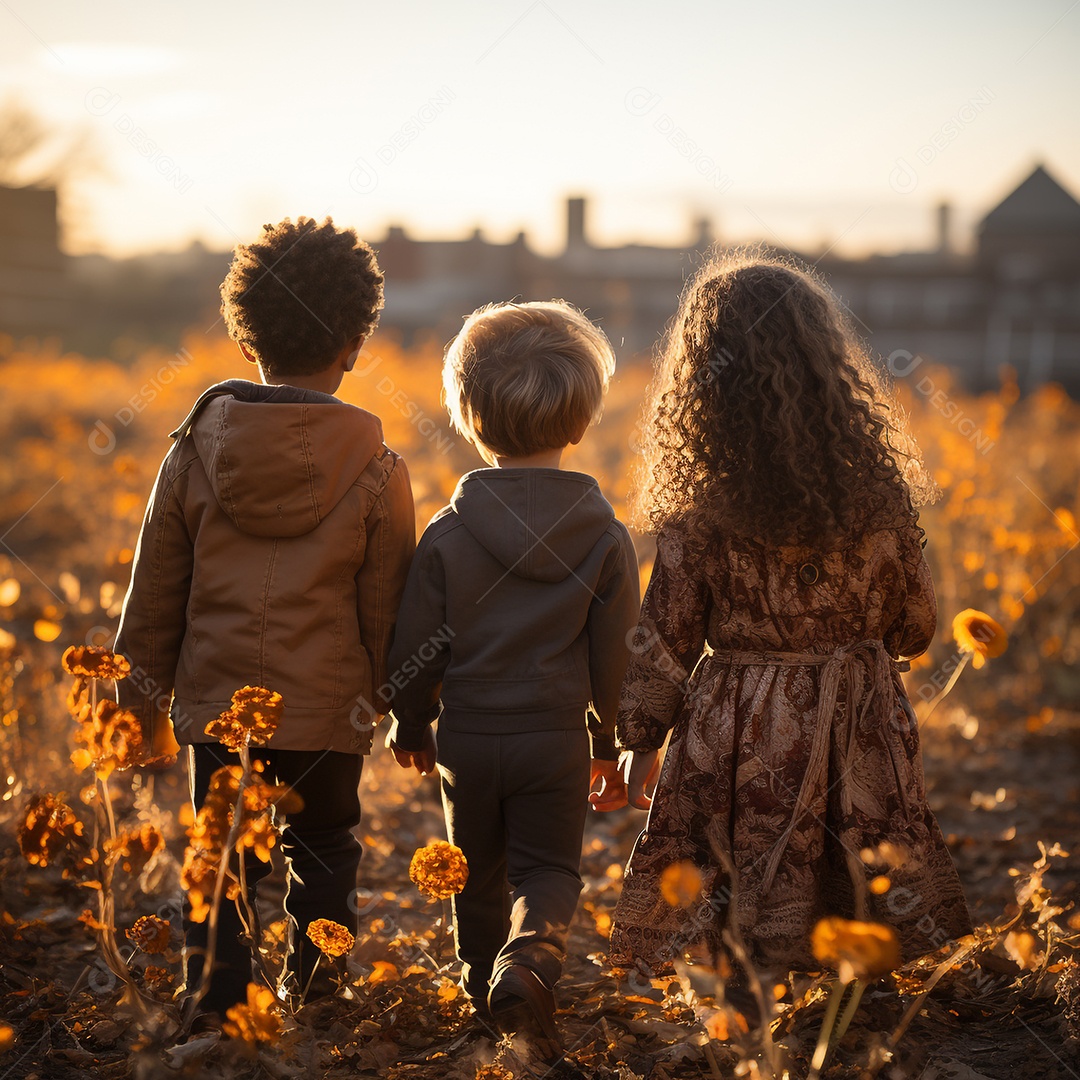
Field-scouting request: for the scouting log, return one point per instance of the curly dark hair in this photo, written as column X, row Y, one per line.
column 297, row 295
column 766, row 417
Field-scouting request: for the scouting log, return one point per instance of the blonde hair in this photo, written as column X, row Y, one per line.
column 522, row 378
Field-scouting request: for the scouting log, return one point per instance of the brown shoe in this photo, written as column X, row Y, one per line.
column 521, row 1002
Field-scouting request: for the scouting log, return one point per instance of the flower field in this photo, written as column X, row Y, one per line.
column 95, row 853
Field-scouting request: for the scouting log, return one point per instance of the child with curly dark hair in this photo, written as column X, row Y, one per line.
column 274, row 552
column 789, row 587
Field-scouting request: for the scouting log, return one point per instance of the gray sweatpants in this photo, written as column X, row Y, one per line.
column 516, row 806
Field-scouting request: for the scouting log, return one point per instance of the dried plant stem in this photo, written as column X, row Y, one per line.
column 444, row 937
column 714, row 1067
column 106, row 799
column 737, row 943
column 913, row 1009
column 852, row 1006
column 948, row 686
column 821, row 1051
column 228, row 848
column 311, row 978
column 106, row 936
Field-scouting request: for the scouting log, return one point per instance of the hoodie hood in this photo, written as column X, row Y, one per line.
column 539, row 523
column 279, row 458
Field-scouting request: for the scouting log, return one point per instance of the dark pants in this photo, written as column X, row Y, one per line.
column 325, row 857
column 516, row 806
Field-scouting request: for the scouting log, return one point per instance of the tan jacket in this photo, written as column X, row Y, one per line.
column 273, row 553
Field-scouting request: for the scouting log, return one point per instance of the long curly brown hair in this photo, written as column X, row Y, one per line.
column 766, row 417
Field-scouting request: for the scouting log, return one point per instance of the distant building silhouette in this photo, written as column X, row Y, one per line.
column 34, row 289
column 1015, row 300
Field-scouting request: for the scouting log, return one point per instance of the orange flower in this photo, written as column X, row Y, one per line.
column 858, row 950
column 439, row 870
column 158, row 978
column 209, row 833
column 493, row 1072
column 95, row 662
column 150, row 934
column 680, row 884
column 260, row 805
column 331, row 937
column 260, row 834
column 880, row 885
column 251, row 721
column 977, row 633
column 207, row 837
column 111, row 738
column 49, row 829
column 134, row 848
column 259, row 797
column 257, row 1021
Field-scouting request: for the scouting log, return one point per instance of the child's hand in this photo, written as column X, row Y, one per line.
column 607, row 788
column 641, row 770
column 423, row 760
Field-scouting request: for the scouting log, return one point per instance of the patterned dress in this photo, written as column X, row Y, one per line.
column 793, row 774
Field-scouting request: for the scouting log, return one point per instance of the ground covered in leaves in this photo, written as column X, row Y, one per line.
column 1006, row 1009
column 1002, row 755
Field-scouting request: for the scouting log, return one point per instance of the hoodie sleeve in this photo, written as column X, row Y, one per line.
column 421, row 650
column 667, row 645
column 154, row 617
column 380, row 581
column 612, row 617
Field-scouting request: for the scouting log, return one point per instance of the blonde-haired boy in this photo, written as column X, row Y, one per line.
column 513, row 629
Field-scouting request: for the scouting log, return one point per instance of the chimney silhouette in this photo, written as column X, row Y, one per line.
column 944, row 215
column 575, row 224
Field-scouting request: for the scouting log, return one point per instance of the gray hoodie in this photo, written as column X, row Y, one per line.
column 517, row 611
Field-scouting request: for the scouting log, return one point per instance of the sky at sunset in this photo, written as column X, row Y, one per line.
column 809, row 123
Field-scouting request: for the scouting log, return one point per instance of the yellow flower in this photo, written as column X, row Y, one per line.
column 95, row 662
column 48, row 830
column 439, row 870
column 680, row 884
column 976, row 633
column 150, row 934
column 331, row 937
column 257, row 1021
column 858, row 950
column 251, row 721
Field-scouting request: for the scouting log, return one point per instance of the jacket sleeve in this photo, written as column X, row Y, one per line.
column 380, row 581
column 612, row 617
column 665, row 647
column 421, row 649
column 154, row 617
column 911, row 634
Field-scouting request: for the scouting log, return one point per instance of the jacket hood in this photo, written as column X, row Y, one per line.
column 539, row 523
column 279, row 458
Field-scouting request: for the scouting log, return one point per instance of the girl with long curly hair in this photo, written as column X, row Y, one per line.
column 788, row 592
